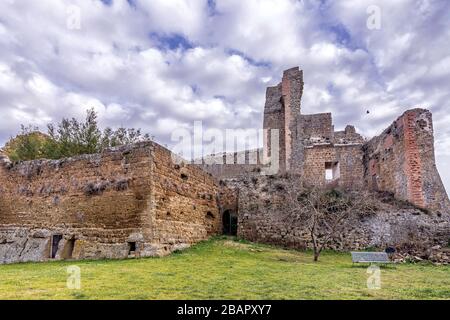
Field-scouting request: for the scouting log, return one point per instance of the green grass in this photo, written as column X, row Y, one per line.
column 225, row 269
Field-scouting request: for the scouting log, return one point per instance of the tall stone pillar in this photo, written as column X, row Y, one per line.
column 281, row 113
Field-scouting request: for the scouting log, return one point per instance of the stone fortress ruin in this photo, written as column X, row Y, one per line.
column 401, row 160
column 135, row 201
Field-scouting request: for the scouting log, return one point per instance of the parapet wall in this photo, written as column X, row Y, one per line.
column 401, row 160
column 232, row 165
column 131, row 200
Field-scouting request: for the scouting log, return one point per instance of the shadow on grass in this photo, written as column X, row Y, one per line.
column 366, row 265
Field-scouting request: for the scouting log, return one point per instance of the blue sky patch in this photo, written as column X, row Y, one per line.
column 248, row 59
column 171, row 41
column 107, row 2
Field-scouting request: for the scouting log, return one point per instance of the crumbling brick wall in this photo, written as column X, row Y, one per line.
column 401, row 160
column 274, row 119
column 229, row 165
column 188, row 202
column 348, row 160
column 316, row 128
column 105, row 205
column 324, row 148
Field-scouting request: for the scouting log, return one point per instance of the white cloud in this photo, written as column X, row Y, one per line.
column 125, row 62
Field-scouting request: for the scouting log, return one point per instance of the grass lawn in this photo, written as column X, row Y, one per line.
column 225, row 269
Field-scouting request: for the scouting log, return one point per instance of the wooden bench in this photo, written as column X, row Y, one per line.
column 370, row 257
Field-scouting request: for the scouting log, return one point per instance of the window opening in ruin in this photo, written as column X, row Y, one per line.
column 131, row 248
column 209, row 215
column 184, row 176
column 332, row 171
column 230, row 223
column 328, row 174
column 56, row 239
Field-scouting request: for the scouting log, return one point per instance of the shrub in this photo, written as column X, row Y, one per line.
column 69, row 138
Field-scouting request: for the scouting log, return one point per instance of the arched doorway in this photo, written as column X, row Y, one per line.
column 230, row 223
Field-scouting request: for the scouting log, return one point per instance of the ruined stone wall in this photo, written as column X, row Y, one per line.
column 188, row 202
column 401, row 160
column 282, row 112
column 274, row 118
column 324, row 148
column 95, row 201
column 316, row 128
column 264, row 217
column 347, row 158
column 230, row 165
column 348, row 136
column 292, row 91
column 104, row 205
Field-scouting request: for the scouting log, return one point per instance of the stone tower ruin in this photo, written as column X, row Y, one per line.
column 401, row 160
column 281, row 112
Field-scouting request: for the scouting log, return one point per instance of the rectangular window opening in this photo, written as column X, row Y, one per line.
column 332, row 171
column 131, row 248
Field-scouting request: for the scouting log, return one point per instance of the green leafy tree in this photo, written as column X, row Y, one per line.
column 27, row 145
column 69, row 138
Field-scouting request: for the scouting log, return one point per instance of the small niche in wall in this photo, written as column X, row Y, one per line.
column 68, row 249
column 184, row 176
column 209, row 215
column 131, row 248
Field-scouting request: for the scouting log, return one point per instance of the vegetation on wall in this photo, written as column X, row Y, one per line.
column 68, row 138
column 326, row 213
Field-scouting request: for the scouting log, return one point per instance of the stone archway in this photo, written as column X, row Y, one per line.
column 229, row 223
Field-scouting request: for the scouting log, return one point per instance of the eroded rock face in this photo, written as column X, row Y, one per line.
column 128, row 201
column 263, row 217
column 19, row 245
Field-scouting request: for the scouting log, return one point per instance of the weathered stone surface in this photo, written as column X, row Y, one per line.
column 263, row 208
column 103, row 204
column 134, row 201
column 401, row 160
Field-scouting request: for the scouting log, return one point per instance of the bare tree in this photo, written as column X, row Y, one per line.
column 325, row 213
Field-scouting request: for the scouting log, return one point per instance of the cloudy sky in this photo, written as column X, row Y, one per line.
column 162, row 64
